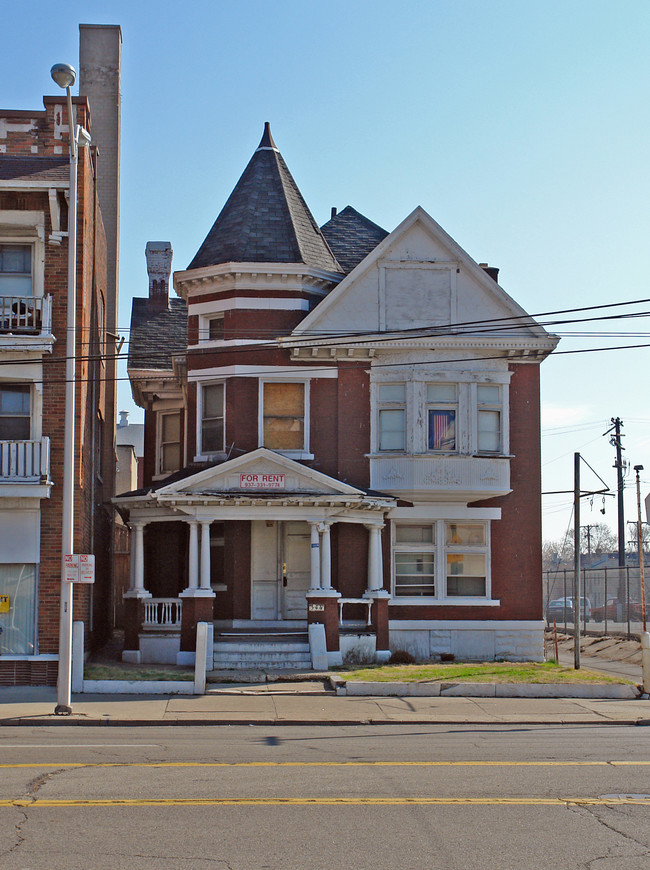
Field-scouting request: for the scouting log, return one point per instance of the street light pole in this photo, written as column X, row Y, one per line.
column 639, row 537
column 64, row 75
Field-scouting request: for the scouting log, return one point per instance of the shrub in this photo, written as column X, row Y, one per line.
column 401, row 657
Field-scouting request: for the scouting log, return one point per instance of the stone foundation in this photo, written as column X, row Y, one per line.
column 469, row 641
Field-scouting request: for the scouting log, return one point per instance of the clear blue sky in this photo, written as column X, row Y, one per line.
column 520, row 126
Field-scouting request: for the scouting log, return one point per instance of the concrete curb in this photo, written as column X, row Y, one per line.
column 594, row 691
column 309, row 723
column 139, row 687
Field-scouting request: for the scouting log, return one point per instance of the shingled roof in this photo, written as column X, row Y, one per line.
column 48, row 171
column 156, row 334
column 351, row 236
column 265, row 219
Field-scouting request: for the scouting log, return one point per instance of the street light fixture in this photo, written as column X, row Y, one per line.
column 65, row 75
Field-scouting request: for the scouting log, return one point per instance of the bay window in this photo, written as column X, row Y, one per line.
column 442, row 408
column 489, row 418
column 457, row 414
column 392, row 417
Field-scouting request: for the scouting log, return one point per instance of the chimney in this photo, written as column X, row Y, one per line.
column 159, row 268
column 334, row 212
column 124, row 419
column 492, row 271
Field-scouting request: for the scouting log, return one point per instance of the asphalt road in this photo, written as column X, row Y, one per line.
column 238, row 798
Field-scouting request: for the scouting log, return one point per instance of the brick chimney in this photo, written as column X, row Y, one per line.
column 492, row 271
column 159, row 268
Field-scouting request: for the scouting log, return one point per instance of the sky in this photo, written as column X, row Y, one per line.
column 521, row 127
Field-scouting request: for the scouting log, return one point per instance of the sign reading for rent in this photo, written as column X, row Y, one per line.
column 262, row 481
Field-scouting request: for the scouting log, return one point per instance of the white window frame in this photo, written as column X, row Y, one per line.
column 442, row 406
column 391, row 406
column 204, row 328
column 489, row 406
column 27, row 228
column 302, row 453
column 160, row 471
column 416, row 417
column 22, row 383
column 440, row 549
column 200, row 452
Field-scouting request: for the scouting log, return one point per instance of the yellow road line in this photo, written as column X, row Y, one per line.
column 180, row 764
column 335, row 801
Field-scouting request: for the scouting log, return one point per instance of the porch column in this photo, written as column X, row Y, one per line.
column 138, row 578
column 198, row 597
column 315, row 557
column 326, row 558
column 193, row 559
column 136, row 574
column 375, row 562
column 133, row 598
column 205, row 557
column 376, row 592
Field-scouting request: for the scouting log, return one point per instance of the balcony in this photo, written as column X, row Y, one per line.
column 26, row 323
column 436, row 478
column 25, row 468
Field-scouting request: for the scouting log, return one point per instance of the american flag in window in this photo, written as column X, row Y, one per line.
column 442, row 430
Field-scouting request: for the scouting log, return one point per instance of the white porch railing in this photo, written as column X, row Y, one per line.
column 25, row 461
column 25, row 315
column 365, row 601
column 162, row 613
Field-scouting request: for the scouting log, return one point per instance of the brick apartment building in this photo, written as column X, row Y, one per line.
column 34, row 243
column 341, row 428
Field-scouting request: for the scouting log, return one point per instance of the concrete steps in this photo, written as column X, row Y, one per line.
column 262, row 652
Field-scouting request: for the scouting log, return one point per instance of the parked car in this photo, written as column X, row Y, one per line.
column 561, row 610
column 611, row 610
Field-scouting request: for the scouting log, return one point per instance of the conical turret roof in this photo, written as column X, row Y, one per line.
column 265, row 219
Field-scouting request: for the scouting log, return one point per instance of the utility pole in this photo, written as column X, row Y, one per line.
column 619, row 465
column 576, row 561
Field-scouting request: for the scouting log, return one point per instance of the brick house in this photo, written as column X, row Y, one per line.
column 341, row 428
column 34, row 186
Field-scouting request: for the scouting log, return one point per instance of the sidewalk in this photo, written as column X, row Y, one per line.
column 308, row 704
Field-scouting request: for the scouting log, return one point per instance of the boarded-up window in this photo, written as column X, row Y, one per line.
column 284, row 416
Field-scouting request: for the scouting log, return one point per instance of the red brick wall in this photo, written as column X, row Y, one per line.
column 516, row 538
column 92, row 529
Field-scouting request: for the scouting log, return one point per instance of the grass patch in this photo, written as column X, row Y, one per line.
column 135, row 672
column 478, row 672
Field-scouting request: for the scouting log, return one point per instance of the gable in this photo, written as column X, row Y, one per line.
column 418, row 277
column 261, row 471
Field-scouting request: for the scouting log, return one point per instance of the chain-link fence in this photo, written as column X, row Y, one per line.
column 610, row 599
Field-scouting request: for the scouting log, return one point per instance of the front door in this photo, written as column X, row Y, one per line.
column 296, row 569
column 280, row 570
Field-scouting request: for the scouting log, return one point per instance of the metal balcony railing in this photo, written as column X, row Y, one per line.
column 25, row 461
column 25, row 315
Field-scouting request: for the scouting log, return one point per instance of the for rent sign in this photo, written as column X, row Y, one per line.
column 262, row 481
